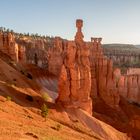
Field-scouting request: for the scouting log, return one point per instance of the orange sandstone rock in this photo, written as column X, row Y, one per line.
column 77, row 73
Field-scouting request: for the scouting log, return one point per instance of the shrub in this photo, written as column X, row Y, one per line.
column 45, row 96
column 8, row 98
column 44, row 111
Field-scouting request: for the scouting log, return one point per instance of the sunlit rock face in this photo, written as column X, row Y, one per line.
column 9, row 46
column 35, row 52
column 83, row 70
column 129, row 88
column 86, row 70
column 75, row 76
column 103, row 76
column 55, row 59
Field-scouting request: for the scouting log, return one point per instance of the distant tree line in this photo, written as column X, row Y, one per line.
column 32, row 35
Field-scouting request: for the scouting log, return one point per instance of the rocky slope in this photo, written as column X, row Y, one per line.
column 21, row 116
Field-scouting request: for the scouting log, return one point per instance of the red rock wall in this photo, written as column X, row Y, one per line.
column 55, row 56
column 75, row 77
column 103, row 78
column 33, row 51
column 126, row 56
column 133, row 71
column 9, row 46
column 129, row 88
column 83, row 69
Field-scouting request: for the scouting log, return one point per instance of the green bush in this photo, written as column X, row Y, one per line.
column 44, row 111
column 45, row 96
column 8, row 98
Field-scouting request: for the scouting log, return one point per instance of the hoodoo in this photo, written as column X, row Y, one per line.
column 75, row 76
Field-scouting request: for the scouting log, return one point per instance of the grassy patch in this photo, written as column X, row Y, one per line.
column 8, row 98
column 45, row 96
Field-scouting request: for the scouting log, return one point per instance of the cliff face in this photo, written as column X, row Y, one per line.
column 85, row 72
column 107, row 82
column 85, row 75
column 35, row 51
column 9, row 46
column 123, row 55
column 129, row 87
column 75, row 76
column 55, row 56
column 103, row 75
column 82, row 67
column 126, row 56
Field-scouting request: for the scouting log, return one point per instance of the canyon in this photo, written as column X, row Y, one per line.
column 123, row 56
column 79, row 79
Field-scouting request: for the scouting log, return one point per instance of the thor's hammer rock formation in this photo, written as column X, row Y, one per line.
column 75, row 77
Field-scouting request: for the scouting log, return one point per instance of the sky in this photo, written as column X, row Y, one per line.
column 116, row 21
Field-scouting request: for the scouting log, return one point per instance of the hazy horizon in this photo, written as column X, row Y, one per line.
column 114, row 21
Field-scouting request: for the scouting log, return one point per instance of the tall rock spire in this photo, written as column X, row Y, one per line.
column 75, row 76
column 79, row 35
